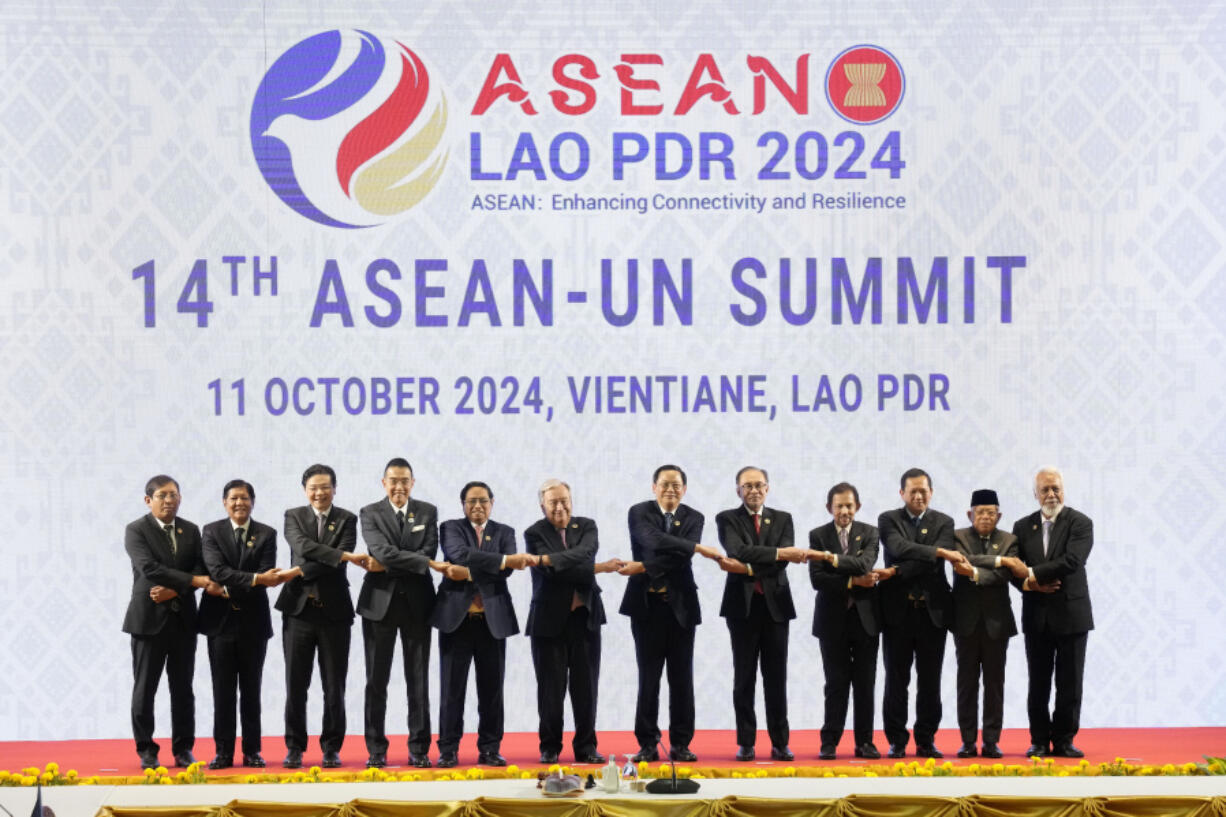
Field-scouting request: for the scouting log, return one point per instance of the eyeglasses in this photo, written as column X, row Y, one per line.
column 399, row 481
column 753, row 486
column 166, row 496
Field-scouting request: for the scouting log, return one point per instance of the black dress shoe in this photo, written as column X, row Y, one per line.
column 1037, row 750
column 868, row 750
column 421, row 761
column 782, row 753
column 447, row 760
column 991, row 750
column 590, row 757
column 927, row 750
column 968, row 750
column 293, row 759
column 682, row 754
column 332, row 760
column 221, row 762
column 487, row 759
column 255, row 761
column 184, row 759
column 1066, row 750
column 827, row 752
column 149, row 760
column 377, row 760
column 744, row 753
column 646, row 755
column 897, row 750
column 549, row 757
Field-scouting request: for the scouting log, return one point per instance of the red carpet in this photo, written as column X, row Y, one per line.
column 713, row 747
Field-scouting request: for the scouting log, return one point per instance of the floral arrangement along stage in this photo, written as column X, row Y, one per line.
column 194, row 774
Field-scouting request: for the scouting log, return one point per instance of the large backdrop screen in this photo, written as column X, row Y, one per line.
column 518, row 241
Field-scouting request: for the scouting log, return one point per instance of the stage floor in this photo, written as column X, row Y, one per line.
column 713, row 747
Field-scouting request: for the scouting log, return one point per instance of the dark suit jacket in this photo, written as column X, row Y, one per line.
column 737, row 536
column 483, row 560
column 323, row 572
column 987, row 599
column 570, row 572
column 232, row 567
column 1066, row 611
column 920, row 573
column 153, row 564
column 831, row 583
column 406, row 555
column 667, row 558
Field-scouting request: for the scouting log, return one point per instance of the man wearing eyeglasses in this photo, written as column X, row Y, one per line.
column 474, row 615
column 166, row 570
column 396, row 601
column 757, row 605
column 661, row 600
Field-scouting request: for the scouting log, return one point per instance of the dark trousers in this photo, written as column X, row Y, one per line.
column 920, row 641
column 471, row 643
column 302, row 637
column 760, row 641
column 980, row 653
column 379, row 638
column 236, row 661
column 1066, row 656
column 175, row 649
column 849, row 661
column 660, row 641
column 572, row 660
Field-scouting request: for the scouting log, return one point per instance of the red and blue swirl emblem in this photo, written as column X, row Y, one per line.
column 347, row 129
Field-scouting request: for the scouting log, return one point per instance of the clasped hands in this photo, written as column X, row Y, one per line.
column 1021, row 571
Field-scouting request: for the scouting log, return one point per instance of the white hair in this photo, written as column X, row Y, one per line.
column 1050, row 469
column 549, row 485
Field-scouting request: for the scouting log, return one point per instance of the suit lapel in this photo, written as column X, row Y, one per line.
column 1059, row 533
column 162, row 543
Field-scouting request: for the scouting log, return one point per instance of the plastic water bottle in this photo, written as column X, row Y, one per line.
column 609, row 777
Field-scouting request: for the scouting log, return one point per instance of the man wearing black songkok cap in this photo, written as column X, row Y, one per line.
column 983, row 622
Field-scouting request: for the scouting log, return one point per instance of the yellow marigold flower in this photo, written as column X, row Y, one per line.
column 525, row 775
column 53, row 767
column 30, row 770
column 929, row 763
column 1169, row 768
column 29, row 780
column 512, row 769
column 899, row 765
column 181, row 777
column 947, row 765
column 476, row 774
column 738, row 774
column 1051, row 761
column 1189, row 767
column 870, row 774
column 166, row 781
column 555, row 768
column 251, row 779
column 149, row 772
column 789, row 771
column 973, row 768
column 92, row 780
column 162, row 771
column 315, row 770
column 1083, row 763
column 998, row 768
column 71, row 774
column 5, row 775
column 1062, row 774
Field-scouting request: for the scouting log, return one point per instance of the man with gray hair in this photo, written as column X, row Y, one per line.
column 1054, row 543
column 564, row 621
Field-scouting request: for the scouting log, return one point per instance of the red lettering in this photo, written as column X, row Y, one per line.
column 513, row 89
column 587, row 70
column 797, row 97
column 705, row 64
column 630, row 84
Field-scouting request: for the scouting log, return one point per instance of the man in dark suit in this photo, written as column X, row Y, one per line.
column 662, row 601
column 161, row 618
column 240, row 555
column 564, row 621
column 757, row 606
column 916, row 608
column 983, row 622
column 846, row 620
column 396, row 600
column 317, row 613
column 1054, row 543
column 474, row 615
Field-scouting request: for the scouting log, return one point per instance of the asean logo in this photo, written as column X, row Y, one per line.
column 865, row 84
column 348, row 129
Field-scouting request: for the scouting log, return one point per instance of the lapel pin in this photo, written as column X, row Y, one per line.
column 858, row 538
column 331, row 527
column 766, row 520
column 574, row 524
column 676, row 524
column 1034, row 527
column 487, row 538
column 923, row 531
column 179, row 531
column 251, row 542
